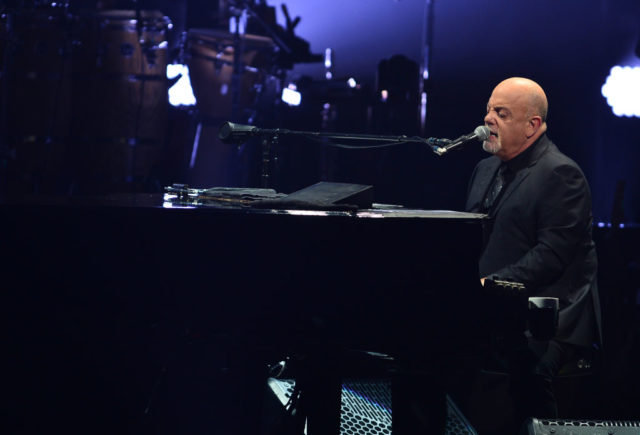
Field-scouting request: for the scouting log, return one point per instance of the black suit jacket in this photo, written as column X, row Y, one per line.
column 541, row 236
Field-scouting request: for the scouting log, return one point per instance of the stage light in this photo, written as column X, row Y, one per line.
column 352, row 82
column 328, row 58
column 291, row 96
column 622, row 90
column 181, row 93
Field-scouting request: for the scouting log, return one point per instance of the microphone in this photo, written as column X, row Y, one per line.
column 481, row 133
column 236, row 133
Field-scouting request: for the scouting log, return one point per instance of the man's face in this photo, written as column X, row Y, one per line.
column 507, row 119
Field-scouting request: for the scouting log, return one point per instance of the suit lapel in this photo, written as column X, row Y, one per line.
column 479, row 188
column 512, row 187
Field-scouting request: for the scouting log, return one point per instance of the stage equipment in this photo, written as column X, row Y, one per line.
column 210, row 57
column 230, row 75
column 365, row 408
column 582, row 427
column 261, row 21
column 481, row 133
column 237, row 133
column 270, row 280
column 237, row 75
column 120, row 94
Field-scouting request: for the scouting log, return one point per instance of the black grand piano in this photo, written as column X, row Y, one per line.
column 154, row 314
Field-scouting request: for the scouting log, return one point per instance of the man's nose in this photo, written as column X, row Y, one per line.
column 488, row 119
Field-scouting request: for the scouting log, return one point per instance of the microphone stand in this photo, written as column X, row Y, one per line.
column 271, row 136
column 238, row 63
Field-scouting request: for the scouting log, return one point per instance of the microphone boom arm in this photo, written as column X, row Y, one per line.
column 230, row 132
column 237, row 133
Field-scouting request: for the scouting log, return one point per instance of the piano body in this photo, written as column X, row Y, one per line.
column 129, row 312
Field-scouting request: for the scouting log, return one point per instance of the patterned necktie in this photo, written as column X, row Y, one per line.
column 495, row 189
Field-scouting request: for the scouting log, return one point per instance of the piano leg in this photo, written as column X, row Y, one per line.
column 418, row 403
column 318, row 380
column 323, row 389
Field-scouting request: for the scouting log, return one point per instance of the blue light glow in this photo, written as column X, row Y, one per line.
column 180, row 94
column 622, row 91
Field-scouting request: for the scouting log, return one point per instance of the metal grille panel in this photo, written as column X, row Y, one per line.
column 366, row 407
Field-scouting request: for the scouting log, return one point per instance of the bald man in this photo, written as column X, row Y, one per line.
column 538, row 232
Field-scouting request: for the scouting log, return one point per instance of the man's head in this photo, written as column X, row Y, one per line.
column 516, row 116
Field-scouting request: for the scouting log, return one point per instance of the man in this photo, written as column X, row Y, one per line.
column 538, row 233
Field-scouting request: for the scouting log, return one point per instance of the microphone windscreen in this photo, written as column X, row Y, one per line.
column 482, row 132
column 224, row 133
column 235, row 133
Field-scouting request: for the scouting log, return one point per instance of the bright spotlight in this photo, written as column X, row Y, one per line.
column 181, row 93
column 291, row 96
column 622, row 91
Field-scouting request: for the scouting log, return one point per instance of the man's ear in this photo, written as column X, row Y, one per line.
column 534, row 125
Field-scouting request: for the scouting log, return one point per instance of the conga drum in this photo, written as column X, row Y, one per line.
column 120, row 96
column 211, row 69
column 210, row 58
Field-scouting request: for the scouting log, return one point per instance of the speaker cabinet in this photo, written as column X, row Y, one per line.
column 582, row 427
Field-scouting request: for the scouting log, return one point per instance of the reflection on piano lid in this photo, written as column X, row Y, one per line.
column 181, row 196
